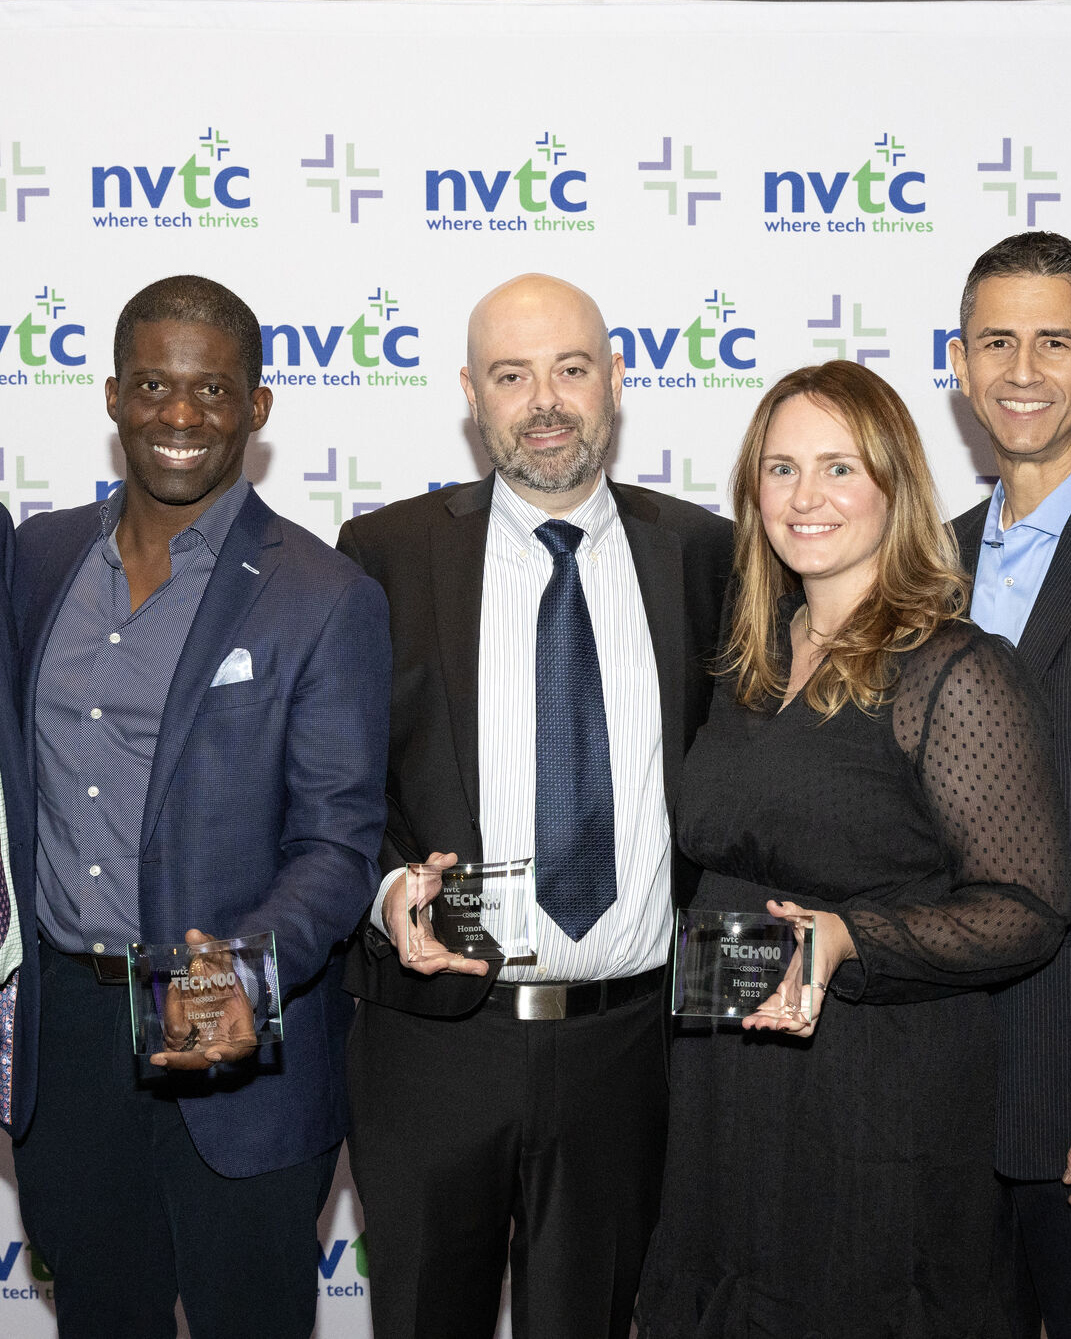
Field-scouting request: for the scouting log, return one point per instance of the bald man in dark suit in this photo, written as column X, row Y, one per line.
column 531, row 1094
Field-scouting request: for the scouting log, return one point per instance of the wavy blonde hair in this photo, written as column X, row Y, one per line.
column 919, row 583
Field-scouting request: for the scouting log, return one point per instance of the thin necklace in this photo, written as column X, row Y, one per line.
column 813, row 633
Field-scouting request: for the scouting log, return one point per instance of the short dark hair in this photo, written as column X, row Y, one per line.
column 1044, row 253
column 190, row 297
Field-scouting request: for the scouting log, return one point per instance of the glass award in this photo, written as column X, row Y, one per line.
column 483, row 911
column 192, row 997
column 728, row 963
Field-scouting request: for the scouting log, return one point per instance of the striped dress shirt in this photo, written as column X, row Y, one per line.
column 634, row 934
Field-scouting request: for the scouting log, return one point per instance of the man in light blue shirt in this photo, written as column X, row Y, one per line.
column 1014, row 559
column 1013, row 361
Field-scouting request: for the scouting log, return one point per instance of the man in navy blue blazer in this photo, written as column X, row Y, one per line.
column 19, row 974
column 1013, row 362
column 205, row 711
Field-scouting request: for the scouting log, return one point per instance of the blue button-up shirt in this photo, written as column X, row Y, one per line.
column 101, row 692
column 1012, row 563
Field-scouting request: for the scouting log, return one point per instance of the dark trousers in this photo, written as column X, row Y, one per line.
column 460, row 1125
column 124, row 1211
column 1038, row 1218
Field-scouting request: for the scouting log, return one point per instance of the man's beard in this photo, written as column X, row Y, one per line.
column 554, row 469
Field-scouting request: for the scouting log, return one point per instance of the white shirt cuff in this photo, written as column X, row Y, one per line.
column 377, row 905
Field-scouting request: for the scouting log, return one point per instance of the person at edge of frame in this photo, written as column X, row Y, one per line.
column 1013, row 363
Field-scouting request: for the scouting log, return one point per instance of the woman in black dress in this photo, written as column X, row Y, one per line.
column 874, row 759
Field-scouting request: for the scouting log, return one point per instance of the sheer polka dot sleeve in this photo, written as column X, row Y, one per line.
column 978, row 734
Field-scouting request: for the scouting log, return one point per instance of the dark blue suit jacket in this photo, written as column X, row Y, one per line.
column 265, row 805
column 20, row 839
column 1034, row 1015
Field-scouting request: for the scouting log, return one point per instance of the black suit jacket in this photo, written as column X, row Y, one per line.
column 428, row 553
column 1034, row 1015
column 20, row 826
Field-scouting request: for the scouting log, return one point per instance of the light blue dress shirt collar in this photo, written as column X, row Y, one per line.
column 1049, row 517
column 1013, row 563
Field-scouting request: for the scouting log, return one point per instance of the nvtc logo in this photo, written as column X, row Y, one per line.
column 535, row 184
column 876, row 186
column 353, row 354
column 37, row 349
column 200, row 183
column 368, row 342
column 40, row 338
column 680, row 357
column 709, row 340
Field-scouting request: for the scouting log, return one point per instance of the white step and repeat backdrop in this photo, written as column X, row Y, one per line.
column 743, row 187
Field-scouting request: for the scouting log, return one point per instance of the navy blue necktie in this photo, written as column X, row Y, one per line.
column 576, row 877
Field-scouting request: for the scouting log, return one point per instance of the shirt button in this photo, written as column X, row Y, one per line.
column 93, row 792
column 1009, row 581
column 114, row 638
column 98, row 948
column 94, row 870
column 96, row 713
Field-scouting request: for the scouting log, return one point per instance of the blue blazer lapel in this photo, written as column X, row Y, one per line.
column 255, row 539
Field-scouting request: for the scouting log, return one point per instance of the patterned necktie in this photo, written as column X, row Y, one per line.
column 576, row 877
column 7, row 1008
column 7, row 1043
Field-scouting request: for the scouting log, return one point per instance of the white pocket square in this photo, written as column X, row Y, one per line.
column 237, row 667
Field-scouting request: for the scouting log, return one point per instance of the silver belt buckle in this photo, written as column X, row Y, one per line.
column 539, row 1003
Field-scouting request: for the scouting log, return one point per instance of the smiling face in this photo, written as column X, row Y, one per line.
column 543, row 388
column 1015, row 368
column 824, row 516
column 184, row 411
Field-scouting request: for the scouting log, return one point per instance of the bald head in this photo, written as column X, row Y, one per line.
column 543, row 387
column 529, row 298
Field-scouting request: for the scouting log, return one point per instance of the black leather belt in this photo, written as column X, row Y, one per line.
column 110, row 971
column 537, row 1001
